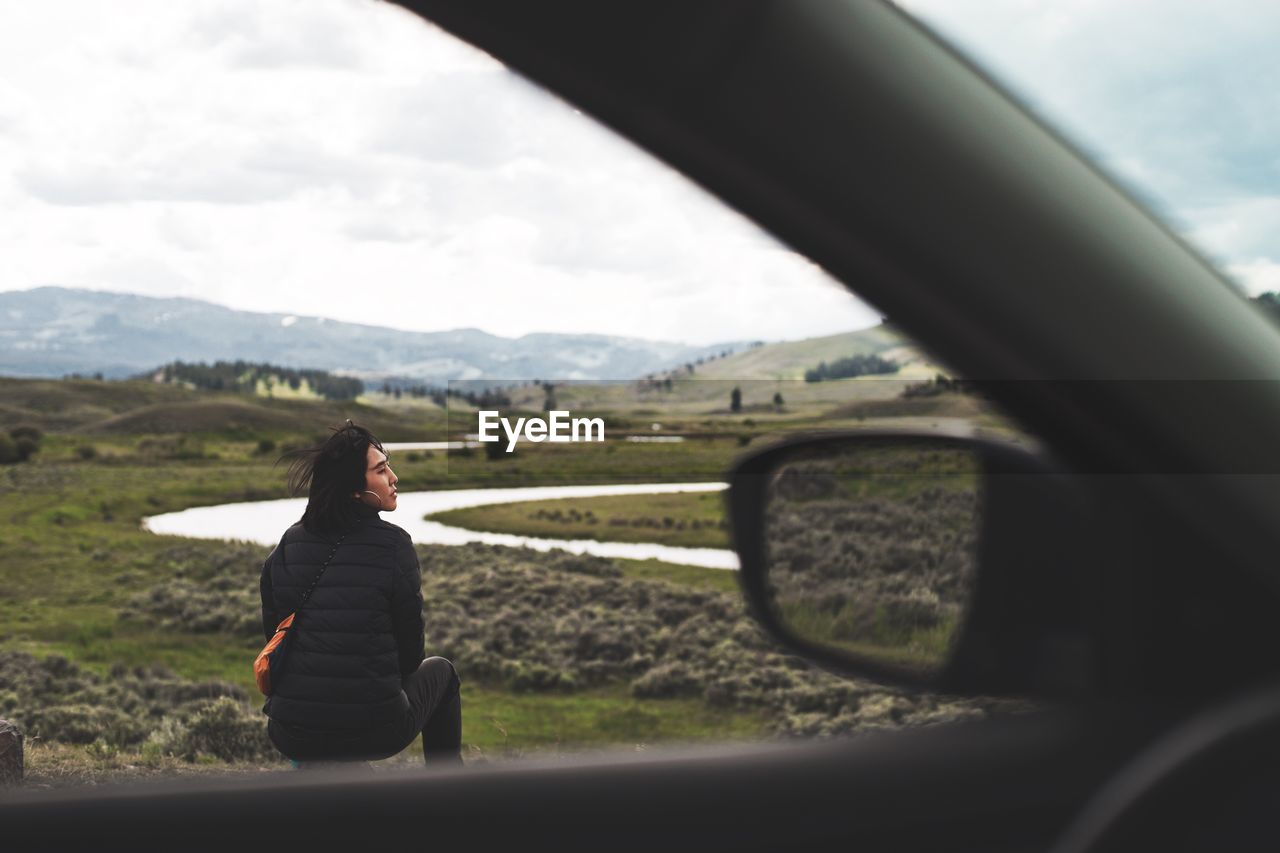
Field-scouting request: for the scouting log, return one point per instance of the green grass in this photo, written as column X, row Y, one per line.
column 923, row 648
column 667, row 519
column 496, row 726
column 790, row 359
column 71, row 552
column 696, row 577
column 501, row 723
column 141, row 407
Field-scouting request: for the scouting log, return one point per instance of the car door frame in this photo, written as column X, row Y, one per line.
column 951, row 167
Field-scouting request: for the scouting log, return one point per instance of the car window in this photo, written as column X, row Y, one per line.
column 197, row 205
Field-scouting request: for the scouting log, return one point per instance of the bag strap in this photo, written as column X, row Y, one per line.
column 306, row 595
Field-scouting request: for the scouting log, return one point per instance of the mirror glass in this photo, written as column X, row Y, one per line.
column 872, row 546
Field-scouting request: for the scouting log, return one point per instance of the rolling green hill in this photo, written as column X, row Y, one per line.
column 760, row 372
column 143, row 407
column 681, row 401
column 790, row 359
column 56, row 405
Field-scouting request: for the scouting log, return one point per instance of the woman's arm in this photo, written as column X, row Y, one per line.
column 406, row 609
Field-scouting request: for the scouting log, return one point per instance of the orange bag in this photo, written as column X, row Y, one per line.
column 268, row 666
column 273, row 651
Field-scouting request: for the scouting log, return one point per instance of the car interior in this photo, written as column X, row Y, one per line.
column 1121, row 592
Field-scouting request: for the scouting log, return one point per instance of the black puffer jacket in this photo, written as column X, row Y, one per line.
column 360, row 632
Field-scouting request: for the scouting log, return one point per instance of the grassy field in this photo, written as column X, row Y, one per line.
column 502, row 724
column 559, row 653
column 691, row 520
column 498, row 725
column 72, row 558
column 922, row 648
column 694, row 577
column 790, row 359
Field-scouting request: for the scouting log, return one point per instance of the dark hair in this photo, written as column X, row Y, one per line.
column 331, row 473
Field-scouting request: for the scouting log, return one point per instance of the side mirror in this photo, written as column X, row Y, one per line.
column 920, row 559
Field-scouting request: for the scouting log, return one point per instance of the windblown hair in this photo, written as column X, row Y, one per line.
column 331, row 473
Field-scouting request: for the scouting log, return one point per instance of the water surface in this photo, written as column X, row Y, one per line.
column 264, row 521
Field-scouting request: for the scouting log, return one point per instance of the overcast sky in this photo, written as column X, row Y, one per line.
column 1179, row 99
column 341, row 158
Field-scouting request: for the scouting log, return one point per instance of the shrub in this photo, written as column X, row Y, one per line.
column 82, row 723
column 533, row 621
column 26, row 448
column 535, row 677
column 211, row 588
column 584, row 564
column 26, row 431
column 9, row 453
column 666, row 681
column 86, row 452
column 19, row 445
column 56, row 700
column 172, row 447
column 225, row 729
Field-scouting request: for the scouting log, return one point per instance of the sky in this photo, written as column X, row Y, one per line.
column 344, row 159
column 1178, row 99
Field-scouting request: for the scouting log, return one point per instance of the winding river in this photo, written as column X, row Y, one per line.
column 264, row 521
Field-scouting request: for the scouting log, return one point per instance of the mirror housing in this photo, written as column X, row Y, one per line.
column 1026, row 628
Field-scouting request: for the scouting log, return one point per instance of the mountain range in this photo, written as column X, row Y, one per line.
column 55, row 331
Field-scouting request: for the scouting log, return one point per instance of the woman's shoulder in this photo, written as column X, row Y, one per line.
column 385, row 529
column 371, row 530
column 297, row 533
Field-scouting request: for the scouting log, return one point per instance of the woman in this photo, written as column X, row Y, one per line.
column 355, row 685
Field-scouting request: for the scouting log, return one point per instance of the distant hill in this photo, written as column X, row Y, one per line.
column 55, row 331
column 790, row 359
column 761, row 372
column 140, row 407
column 69, row 404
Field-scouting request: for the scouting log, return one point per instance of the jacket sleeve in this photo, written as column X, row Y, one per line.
column 270, row 619
column 406, row 609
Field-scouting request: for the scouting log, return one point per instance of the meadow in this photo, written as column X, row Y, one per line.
column 691, row 520
column 124, row 654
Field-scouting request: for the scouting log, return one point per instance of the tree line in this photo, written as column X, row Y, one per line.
column 243, row 377
column 856, row 365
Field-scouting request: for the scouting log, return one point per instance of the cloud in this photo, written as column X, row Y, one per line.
column 1238, row 228
column 1180, row 103
column 381, row 229
column 1259, row 275
column 282, row 34
column 345, row 159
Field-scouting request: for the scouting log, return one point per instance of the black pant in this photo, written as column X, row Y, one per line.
column 435, row 711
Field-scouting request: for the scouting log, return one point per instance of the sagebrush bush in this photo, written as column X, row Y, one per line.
column 213, row 588
column 55, row 700
column 666, row 681
column 557, row 622
column 224, row 729
column 84, row 723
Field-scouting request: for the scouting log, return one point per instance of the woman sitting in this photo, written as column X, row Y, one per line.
column 355, row 685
